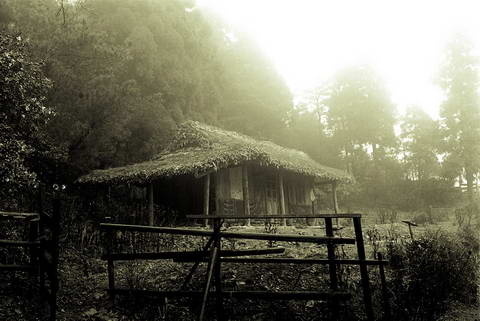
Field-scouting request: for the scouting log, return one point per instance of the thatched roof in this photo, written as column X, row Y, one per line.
column 198, row 148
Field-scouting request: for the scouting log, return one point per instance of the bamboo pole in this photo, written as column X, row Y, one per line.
column 335, row 200
column 282, row 198
column 218, row 210
column 206, row 198
column 367, row 297
column 246, row 193
column 208, row 281
column 150, row 204
column 109, row 235
column 331, row 255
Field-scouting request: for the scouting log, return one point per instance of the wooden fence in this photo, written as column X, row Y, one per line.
column 42, row 245
column 213, row 254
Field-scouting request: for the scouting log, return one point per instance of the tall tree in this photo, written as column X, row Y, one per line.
column 360, row 113
column 125, row 72
column 460, row 111
column 257, row 98
column 419, row 144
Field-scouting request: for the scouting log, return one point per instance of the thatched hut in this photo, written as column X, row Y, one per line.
column 206, row 170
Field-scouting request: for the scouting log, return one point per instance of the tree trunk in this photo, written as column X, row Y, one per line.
column 469, row 177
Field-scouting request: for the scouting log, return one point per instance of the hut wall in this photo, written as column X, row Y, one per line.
column 236, row 191
column 263, row 192
column 298, row 195
column 229, row 191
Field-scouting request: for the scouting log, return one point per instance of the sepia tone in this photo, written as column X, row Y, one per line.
column 239, row 160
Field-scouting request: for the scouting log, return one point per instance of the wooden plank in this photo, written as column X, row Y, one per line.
column 187, row 254
column 152, row 256
column 197, row 262
column 12, row 243
column 17, row 216
column 154, row 229
column 367, row 296
column 286, row 260
column 206, row 197
column 246, row 193
column 288, row 295
column 283, row 212
column 208, row 282
column 289, row 238
column 264, row 295
column 230, row 253
column 151, row 217
column 332, row 268
column 237, row 217
column 217, row 271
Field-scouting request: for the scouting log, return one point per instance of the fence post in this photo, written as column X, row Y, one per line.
column 55, row 253
column 332, row 268
column 331, row 254
column 41, row 234
column 217, row 269
column 367, row 298
column 109, row 241
column 33, row 251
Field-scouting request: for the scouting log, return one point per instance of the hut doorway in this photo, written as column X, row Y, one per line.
column 271, row 195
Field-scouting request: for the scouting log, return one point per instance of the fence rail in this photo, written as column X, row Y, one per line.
column 213, row 254
column 43, row 238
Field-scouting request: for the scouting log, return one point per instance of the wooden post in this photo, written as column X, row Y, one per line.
column 331, row 254
column 55, row 253
column 410, row 228
column 217, row 270
column 150, row 204
column 109, row 239
column 41, row 233
column 208, row 281
column 335, row 200
column 367, row 298
column 282, row 197
column 206, row 197
column 218, row 210
column 195, row 265
column 246, row 194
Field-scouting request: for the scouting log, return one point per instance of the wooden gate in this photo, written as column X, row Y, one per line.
column 42, row 242
column 215, row 256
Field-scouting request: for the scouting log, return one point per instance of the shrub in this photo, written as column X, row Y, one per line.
column 422, row 218
column 430, row 273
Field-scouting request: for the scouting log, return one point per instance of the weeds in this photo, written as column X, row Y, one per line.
column 431, row 272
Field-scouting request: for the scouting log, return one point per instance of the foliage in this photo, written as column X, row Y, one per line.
column 360, row 113
column 127, row 72
column 420, row 144
column 460, row 112
column 431, row 272
column 23, row 116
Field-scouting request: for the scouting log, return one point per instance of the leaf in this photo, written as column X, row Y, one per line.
column 90, row 312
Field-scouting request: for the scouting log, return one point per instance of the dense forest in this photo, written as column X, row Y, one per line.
column 99, row 83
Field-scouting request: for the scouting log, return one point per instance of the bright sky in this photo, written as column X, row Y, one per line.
column 309, row 40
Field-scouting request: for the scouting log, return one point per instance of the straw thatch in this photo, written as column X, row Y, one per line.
column 198, row 148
